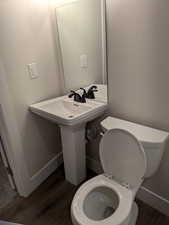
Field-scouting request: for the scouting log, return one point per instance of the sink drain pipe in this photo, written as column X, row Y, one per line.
column 93, row 132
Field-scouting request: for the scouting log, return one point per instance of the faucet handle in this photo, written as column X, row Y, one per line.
column 94, row 88
column 72, row 93
column 84, row 92
column 77, row 97
column 84, row 95
column 90, row 93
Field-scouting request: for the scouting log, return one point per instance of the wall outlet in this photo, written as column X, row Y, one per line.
column 32, row 70
column 83, row 61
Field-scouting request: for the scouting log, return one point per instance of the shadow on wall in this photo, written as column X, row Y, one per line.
column 41, row 139
column 92, row 148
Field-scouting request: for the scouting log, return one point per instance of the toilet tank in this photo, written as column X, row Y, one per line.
column 153, row 140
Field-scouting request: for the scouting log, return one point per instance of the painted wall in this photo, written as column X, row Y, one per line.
column 26, row 37
column 80, row 33
column 138, row 68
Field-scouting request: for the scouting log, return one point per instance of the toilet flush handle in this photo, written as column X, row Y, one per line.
column 101, row 134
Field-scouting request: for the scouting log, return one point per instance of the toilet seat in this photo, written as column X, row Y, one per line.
column 123, row 157
column 120, row 215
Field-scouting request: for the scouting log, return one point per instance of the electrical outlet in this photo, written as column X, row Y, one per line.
column 32, row 70
column 83, row 61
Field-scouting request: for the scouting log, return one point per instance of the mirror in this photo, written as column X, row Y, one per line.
column 82, row 40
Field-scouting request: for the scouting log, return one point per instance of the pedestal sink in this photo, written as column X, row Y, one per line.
column 72, row 118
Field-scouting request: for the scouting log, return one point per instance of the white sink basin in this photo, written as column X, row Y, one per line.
column 65, row 111
column 71, row 117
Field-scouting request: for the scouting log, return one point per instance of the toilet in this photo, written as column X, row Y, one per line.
column 129, row 153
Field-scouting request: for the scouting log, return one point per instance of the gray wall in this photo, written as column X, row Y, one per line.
column 138, row 68
column 26, row 36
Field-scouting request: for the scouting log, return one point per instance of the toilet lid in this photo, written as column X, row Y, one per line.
column 123, row 157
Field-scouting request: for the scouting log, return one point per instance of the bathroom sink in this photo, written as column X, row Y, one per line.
column 65, row 111
column 71, row 117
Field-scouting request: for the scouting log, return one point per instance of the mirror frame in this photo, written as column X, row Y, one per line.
column 104, row 47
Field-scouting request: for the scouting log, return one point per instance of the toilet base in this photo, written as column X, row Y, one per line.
column 134, row 214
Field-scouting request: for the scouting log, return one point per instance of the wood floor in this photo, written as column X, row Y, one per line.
column 50, row 205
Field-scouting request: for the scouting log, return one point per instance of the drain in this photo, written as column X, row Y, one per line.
column 70, row 116
column 108, row 211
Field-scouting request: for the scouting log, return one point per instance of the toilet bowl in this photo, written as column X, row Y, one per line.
column 102, row 201
column 108, row 199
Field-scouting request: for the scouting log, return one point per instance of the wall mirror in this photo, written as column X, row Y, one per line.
column 82, row 43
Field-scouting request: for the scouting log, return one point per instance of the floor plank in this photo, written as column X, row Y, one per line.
column 150, row 216
column 50, row 205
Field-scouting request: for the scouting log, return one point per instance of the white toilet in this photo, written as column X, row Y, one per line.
column 129, row 153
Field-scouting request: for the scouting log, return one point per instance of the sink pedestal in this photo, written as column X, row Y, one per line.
column 73, row 143
column 72, row 117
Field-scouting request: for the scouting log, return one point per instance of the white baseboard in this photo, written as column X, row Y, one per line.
column 154, row 200
column 46, row 171
column 147, row 196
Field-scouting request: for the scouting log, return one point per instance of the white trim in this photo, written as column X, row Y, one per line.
column 46, row 171
column 59, row 53
column 11, row 137
column 104, row 45
column 154, row 200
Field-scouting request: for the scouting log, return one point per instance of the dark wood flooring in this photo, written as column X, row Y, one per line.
column 50, row 205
